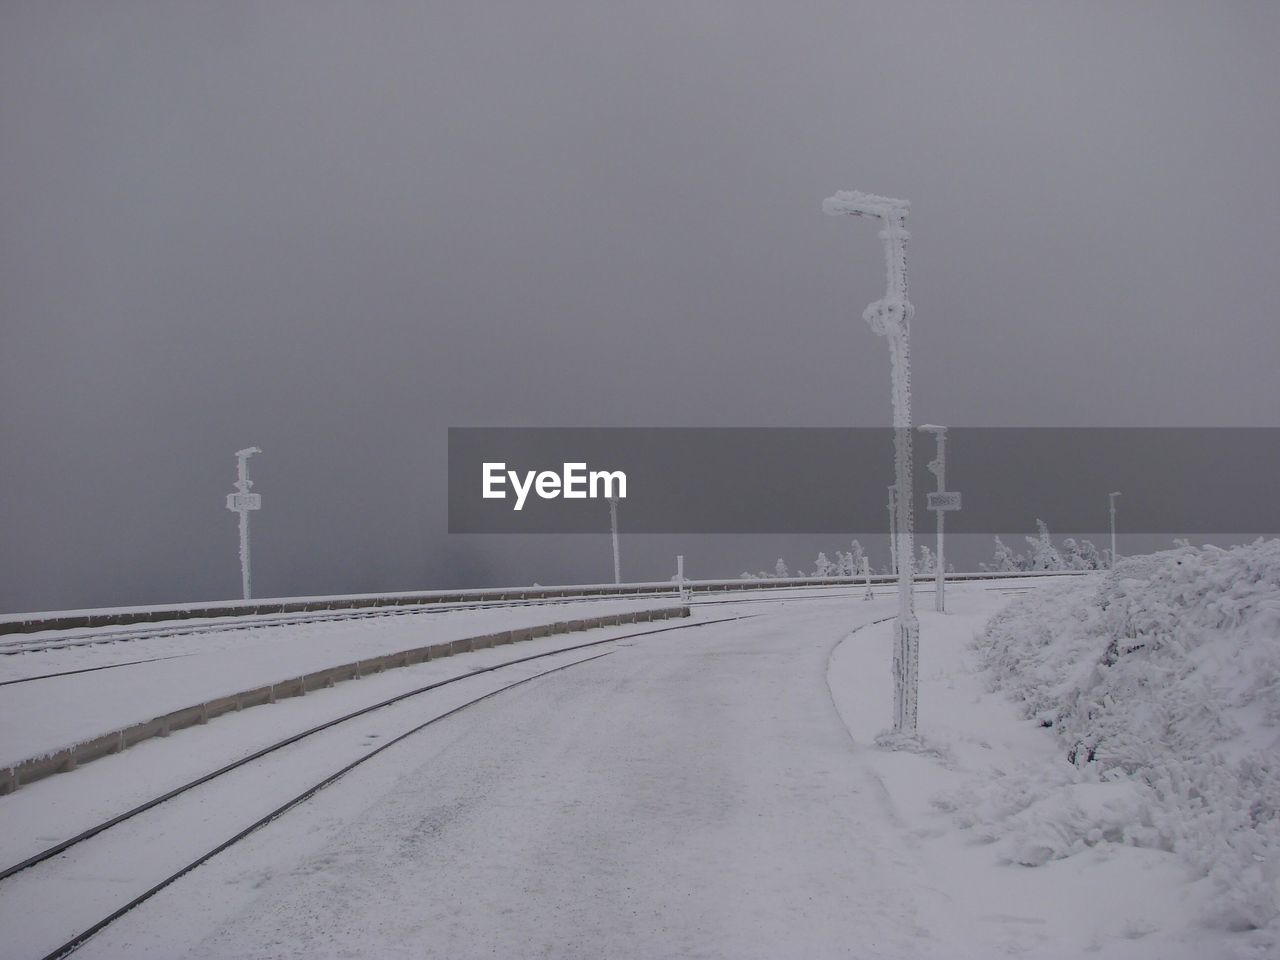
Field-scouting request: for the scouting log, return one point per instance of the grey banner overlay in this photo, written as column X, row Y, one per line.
column 1216, row 480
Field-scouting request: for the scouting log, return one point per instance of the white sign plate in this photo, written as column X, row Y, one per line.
column 244, row 501
column 944, row 500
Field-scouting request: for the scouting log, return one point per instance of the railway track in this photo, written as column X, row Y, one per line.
column 181, row 629
column 170, row 621
column 106, row 666
column 205, row 817
column 708, row 596
column 832, row 594
column 275, row 778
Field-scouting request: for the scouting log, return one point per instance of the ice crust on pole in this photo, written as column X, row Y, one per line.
column 890, row 317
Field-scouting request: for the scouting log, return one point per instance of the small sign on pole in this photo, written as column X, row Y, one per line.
column 943, row 500
column 244, row 501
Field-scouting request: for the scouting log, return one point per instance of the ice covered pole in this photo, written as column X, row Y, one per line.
column 613, row 523
column 242, row 502
column 938, row 467
column 1113, row 527
column 890, row 317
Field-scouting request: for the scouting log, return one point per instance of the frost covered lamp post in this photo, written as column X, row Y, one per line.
column 890, row 317
column 241, row 502
column 613, row 522
column 940, row 502
column 938, row 467
column 1113, row 528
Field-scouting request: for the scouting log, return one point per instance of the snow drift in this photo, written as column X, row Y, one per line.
column 1161, row 680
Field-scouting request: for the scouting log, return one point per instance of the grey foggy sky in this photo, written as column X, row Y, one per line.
column 334, row 230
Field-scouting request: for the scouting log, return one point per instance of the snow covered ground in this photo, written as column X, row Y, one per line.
column 716, row 793
column 43, row 716
column 1109, row 900
column 54, row 808
column 1161, row 682
column 689, row 795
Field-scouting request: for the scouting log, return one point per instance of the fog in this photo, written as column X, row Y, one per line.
column 336, row 230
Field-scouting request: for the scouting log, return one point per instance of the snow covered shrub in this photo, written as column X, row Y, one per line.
column 927, row 565
column 846, row 564
column 853, row 559
column 1164, row 673
column 1044, row 555
column 1005, row 560
column 1080, row 555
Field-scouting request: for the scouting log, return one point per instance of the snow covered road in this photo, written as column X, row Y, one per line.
column 690, row 795
column 694, row 793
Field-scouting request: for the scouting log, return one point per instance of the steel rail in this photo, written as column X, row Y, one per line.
column 64, row 845
column 79, row 939
column 377, row 605
column 252, row 622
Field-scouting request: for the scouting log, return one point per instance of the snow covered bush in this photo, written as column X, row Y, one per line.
column 846, row 564
column 1080, row 555
column 927, row 565
column 1005, row 560
column 1162, row 677
column 853, row 559
column 1043, row 555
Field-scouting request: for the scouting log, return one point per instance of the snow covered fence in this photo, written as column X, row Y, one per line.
column 24, row 623
column 124, row 616
column 37, row 768
column 1161, row 680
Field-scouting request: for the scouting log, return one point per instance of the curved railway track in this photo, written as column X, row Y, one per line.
column 105, row 666
column 707, row 598
column 833, row 595
column 49, row 857
column 58, row 871
column 176, row 620
column 182, row 628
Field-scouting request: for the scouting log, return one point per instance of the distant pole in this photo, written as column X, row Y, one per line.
column 1113, row 528
column 893, row 530
column 890, row 317
column 684, row 594
column 613, row 521
column 938, row 467
column 243, row 502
